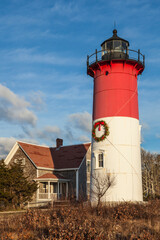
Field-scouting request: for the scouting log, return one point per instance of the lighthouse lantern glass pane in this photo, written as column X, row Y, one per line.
column 117, row 45
column 103, row 46
column 110, row 45
column 103, row 49
column 124, row 46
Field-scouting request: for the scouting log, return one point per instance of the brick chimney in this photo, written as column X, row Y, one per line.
column 59, row 142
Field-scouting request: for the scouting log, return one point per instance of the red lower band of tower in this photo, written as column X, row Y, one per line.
column 115, row 88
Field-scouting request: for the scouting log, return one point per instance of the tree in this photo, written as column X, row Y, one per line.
column 5, row 194
column 150, row 175
column 101, row 186
column 15, row 188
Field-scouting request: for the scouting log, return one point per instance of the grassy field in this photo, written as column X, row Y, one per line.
column 124, row 221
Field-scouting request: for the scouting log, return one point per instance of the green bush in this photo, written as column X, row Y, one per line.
column 15, row 188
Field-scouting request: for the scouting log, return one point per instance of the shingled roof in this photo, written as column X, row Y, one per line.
column 50, row 176
column 56, row 158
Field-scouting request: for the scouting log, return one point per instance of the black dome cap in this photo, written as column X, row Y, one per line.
column 115, row 37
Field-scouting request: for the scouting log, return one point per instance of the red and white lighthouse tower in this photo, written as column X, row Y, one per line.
column 116, row 129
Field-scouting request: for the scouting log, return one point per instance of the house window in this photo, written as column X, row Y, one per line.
column 15, row 160
column 23, row 161
column 20, row 161
column 100, row 160
column 88, row 165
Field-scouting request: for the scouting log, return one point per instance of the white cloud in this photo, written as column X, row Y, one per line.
column 82, row 121
column 68, row 135
column 84, row 139
column 71, row 133
column 144, row 131
column 27, row 75
column 29, row 55
column 65, row 9
column 5, row 146
column 145, row 126
column 48, row 133
column 158, row 135
column 37, row 100
column 7, row 95
column 72, row 10
column 14, row 108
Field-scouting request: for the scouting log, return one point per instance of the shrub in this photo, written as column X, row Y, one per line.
column 124, row 221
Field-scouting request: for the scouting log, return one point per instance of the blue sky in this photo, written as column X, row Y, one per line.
column 45, row 92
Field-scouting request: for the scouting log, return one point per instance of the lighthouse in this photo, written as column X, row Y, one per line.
column 116, row 131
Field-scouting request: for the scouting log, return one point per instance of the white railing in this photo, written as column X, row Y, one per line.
column 49, row 196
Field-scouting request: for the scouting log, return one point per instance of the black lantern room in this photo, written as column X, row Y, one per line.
column 114, row 47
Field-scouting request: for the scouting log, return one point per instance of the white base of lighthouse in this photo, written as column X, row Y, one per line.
column 121, row 159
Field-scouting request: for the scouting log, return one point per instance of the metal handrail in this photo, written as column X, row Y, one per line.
column 109, row 52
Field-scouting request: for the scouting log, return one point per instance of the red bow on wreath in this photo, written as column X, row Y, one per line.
column 99, row 125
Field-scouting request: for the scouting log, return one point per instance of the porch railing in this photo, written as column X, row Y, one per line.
column 52, row 196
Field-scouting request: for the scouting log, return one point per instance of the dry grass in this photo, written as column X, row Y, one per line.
column 125, row 221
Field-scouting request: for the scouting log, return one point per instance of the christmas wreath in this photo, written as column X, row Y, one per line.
column 106, row 132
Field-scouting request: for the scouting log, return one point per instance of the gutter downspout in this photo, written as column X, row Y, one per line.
column 77, row 185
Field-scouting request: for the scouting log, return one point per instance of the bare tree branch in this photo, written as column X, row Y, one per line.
column 150, row 174
column 100, row 185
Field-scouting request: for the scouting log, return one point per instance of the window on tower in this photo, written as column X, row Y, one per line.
column 100, row 160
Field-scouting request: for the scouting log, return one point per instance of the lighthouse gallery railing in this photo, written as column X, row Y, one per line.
column 128, row 54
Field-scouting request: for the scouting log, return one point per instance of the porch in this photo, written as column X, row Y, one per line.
column 51, row 187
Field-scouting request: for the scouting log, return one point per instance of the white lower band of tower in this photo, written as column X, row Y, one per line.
column 121, row 160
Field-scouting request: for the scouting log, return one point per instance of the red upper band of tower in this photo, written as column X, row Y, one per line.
column 115, row 69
